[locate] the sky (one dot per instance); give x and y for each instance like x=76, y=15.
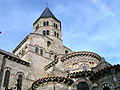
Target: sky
x=87, y=25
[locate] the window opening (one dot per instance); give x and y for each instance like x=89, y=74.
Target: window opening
x=84, y=68
x=106, y=88
x=56, y=26
x=48, y=32
x=37, y=26
x=66, y=52
x=55, y=57
x=48, y=43
x=19, y=82
x=47, y=23
x=83, y=86
x=6, y=79
x=44, y=24
x=55, y=33
x=41, y=52
x=44, y=32
x=36, y=50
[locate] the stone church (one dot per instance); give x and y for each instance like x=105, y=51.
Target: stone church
x=42, y=62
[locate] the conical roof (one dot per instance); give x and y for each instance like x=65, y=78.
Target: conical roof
x=47, y=13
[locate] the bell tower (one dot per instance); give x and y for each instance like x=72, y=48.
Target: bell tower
x=48, y=25
x=44, y=45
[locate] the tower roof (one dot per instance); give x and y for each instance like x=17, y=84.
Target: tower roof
x=47, y=13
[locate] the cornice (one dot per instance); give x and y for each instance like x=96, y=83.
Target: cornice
x=21, y=43
x=82, y=53
x=14, y=58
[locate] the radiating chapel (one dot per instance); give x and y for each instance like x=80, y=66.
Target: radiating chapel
x=42, y=62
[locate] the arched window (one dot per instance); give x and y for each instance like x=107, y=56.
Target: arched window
x=47, y=23
x=55, y=57
x=23, y=52
x=37, y=26
x=44, y=32
x=66, y=52
x=83, y=86
x=36, y=50
x=44, y=24
x=51, y=53
x=19, y=82
x=56, y=26
x=41, y=52
x=48, y=43
x=26, y=47
x=48, y=32
x=84, y=68
x=106, y=88
x=6, y=79
x=55, y=34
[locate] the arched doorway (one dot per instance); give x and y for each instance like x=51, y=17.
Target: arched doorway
x=82, y=86
x=106, y=88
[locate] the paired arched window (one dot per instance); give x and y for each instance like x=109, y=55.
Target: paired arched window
x=41, y=52
x=46, y=32
x=36, y=50
x=55, y=25
x=56, y=34
x=45, y=23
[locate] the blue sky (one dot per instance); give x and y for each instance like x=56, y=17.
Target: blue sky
x=87, y=25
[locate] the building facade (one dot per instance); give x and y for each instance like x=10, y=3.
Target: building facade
x=42, y=62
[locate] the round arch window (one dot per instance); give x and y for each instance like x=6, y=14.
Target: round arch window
x=106, y=88
x=48, y=43
x=66, y=52
x=83, y=86
x=85, y=68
